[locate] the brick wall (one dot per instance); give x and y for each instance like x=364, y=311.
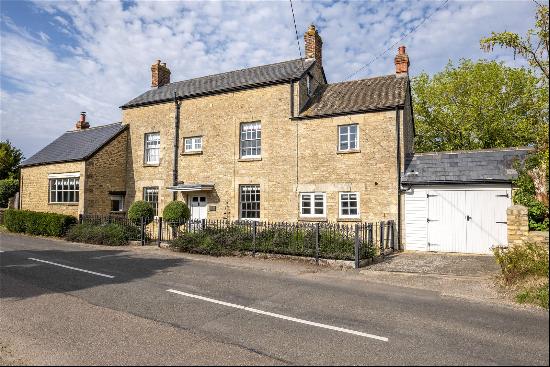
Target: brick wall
x=35, y=190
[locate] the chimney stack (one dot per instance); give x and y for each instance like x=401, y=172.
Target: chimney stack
x=82, y=124
x=402, y=62
x=313, y=44
x=160, y=74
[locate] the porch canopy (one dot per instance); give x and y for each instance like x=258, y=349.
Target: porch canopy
x=191, y=187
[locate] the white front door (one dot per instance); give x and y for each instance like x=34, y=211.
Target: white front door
x=198, y=207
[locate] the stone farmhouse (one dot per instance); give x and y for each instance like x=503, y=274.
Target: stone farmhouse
x=270, y=143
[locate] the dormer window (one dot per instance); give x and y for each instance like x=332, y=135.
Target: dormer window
x=308, y=85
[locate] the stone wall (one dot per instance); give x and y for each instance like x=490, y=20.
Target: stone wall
x=105, y=172
x=518, y=228
x=34, y=188
x=297, y=156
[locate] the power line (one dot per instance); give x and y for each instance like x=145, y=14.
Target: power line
x=297, y=37
x=395, y=43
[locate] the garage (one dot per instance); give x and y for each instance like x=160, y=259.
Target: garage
x=457, y=201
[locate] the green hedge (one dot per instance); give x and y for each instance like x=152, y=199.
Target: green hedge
x=297, y=242
x=110, y=234
x=37, y=223
x=8, y=188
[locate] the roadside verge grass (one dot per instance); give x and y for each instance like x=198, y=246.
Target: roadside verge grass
x=524, y=272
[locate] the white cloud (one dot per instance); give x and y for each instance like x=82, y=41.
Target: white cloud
x=106, y=60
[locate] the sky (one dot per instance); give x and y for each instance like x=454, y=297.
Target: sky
x=59, y=58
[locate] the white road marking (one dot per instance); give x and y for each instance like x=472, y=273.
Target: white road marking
x=288, y=318
x=72, y=268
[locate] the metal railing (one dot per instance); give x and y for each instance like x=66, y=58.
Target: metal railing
x=356, y=242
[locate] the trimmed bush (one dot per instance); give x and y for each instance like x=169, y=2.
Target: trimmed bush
x=176, y=211
x=37, y=223
x=110, y=234
x=141, y=209
x=8, y=188
x=214, y=242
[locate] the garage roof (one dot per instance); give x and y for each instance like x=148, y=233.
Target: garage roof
x=474, y=166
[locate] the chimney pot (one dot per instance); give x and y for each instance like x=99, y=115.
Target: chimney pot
x=82, y=123
x=160, y=74
x=402, y=62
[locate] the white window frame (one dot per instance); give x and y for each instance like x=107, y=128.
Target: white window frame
x=64, y=179
x=252, y=132
x=312, y=202
x=348, y=134
x=146, y=195
x=341, y=208
x=149, y=146
x=308, y=85
x=117, y=198
x=192, y=144
x=259, y=202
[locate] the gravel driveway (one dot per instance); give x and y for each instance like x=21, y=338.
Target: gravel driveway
x=439, y=263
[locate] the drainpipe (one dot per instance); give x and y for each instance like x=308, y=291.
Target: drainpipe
x=176, y=141
x=398, y=130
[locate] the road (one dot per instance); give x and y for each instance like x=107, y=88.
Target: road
x=64, y=303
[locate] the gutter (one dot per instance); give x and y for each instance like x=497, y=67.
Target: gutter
x=398, y=138
x=176, y=143
x=356, y=112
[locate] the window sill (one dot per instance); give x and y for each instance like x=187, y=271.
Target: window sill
x=348, y=219
x=64, y=204
x=121, y=212
x=250, y=159
x=312, y=219
x=348, y=151
x=198, y=152
x=151, y=164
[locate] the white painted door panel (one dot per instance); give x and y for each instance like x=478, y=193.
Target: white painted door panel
x=446, y=220
x=416, y=211
x=198, y=207
x=486, y=226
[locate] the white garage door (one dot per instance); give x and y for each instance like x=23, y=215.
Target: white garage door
x=468, y=219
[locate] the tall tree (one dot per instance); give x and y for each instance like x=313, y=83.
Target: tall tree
x=10, y=157
x=482, y=104
x=533, y=47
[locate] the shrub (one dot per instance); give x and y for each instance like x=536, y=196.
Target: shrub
x=176, y=211
x=110, y=234
x=518, y=262
x=141, y=209
x=37, y=223
x=8, y=188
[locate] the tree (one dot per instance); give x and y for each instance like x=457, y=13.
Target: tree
x=533, y=47
x=141, y=210
x=537, y=57
x=475, y=105
x=10, y=157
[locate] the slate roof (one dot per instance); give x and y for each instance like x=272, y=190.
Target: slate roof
x=476, y=166
x=76, y=145
x=244, y=78
x=373, y=94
